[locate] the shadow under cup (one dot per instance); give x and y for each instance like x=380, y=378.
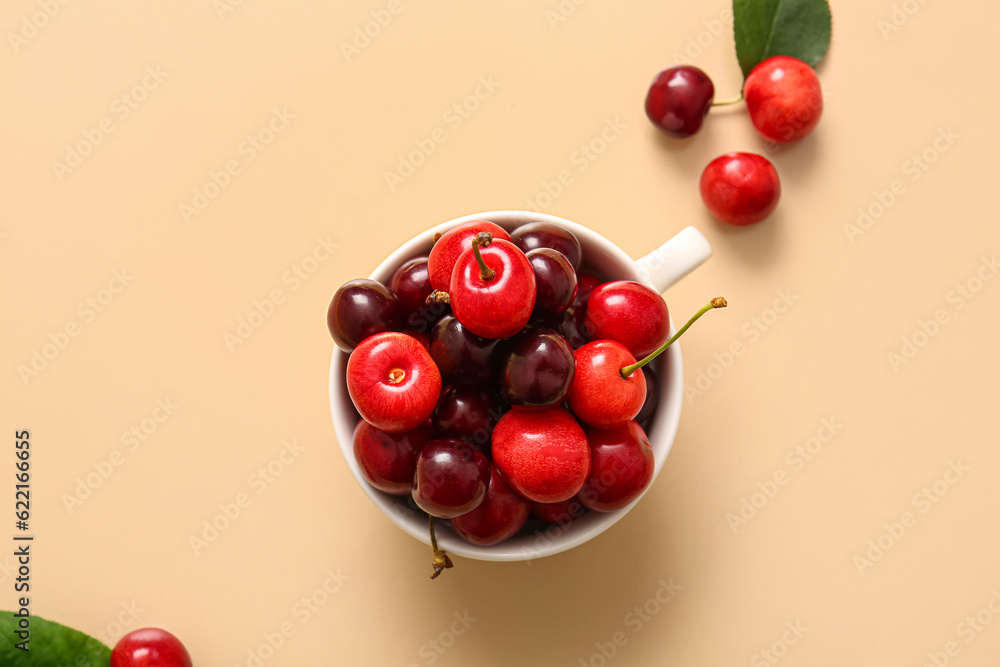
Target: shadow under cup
x=605, y=258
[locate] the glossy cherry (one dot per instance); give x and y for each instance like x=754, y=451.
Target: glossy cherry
x=501, y=514
x=740, y=188
x=630, y=313
x=393, y=381
x=538, y=368
x=555, y=281
x=451, y=478
x=389, y=460
x=536, y=235
x=447, y=249
x=598, y=395
x=150, y=647
x=461, y=354
x=411, y=283
x=359, y=309
x=469, y=412
x=784, y=99
x=621, y=467
x=542, y=453
x=678, y=100
x=493, y=288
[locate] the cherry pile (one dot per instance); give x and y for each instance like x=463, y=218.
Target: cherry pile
x=785, y=102
x=496, y=378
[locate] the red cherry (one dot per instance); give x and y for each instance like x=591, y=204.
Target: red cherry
x=598, y=395
x=784, y=98
x=493, y=288
x=501, y=514
x=361, y=308
x=630, y=313
x=393, y=381
x=451, y=478
x=560, y=513
x=455, y=241
x=542, y=453
x=621, y=467
x=389, y=460
x=150, y=647
x=555, y=281
x=679, y=99
x=585, y=284
x=411, y=284
x=740, y=188
x=547, y=235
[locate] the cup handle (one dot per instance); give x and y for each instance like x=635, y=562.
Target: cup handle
x=674, y=259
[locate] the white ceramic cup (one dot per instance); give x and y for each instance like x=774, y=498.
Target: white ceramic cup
x=660, y=269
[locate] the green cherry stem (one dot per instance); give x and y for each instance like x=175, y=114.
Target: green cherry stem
x=728, y=102
x=483, y=239
x=441, y=561
x=717, y=302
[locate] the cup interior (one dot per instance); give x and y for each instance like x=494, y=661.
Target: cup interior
x=600, y=255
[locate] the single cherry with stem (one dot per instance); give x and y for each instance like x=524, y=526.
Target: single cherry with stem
x=492, y=288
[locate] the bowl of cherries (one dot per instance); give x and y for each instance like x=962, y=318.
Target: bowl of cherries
x=505, y=385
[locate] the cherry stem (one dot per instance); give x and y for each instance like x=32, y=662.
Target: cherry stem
x=483, y=239
x=441, y=561
x=717, y=302
x=728, y=102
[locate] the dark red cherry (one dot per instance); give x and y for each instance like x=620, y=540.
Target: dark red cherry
x=389, y=460
x=469, y=412
x=538, y=368
x=536, y=235
x=459, y=353
x=621, y=467
x=359, y=309
x=678, y=100
x=501, y=514
x=451, y=478
x=555, y=281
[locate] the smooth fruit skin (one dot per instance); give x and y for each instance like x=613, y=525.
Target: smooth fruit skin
x=389, y=460
x=501, y=514
x=621, y=467
x=469, y=412
x=599, y=396
x=536, y=235
x=393, y=381
x=538, y=368
x=451, y=478
x=740, y=188
x=678, y=100
x=542, y=453
x=359, y=309
x=784, y=99
x=447, y=249
x=501, y=306
x=461, y=354
x=555, y=281
x=630, y=313
x=150, y=647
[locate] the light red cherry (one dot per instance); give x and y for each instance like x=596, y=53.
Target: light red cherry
x=628, y=312
x=621, y=467
x=444, y=255
x=501, y=514
x=598, y=395
x=740, y=188
x=150, y=647
x=784, y=98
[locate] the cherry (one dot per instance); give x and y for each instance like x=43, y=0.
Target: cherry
x=359, y=309
x=150, y=647
x=536, y=235
x=411, y=283
x=740, y=188
x=621, y=467
x=559, y=513
x=468, y=412
x=389, y=460
x=459, y=353
x=652, y=395
x=538, y=368
x=555, y=281
x=501, y=514
x=630, y=313
x=606, y=391
x=586, y=283
x=678, y=100
x=451, y=478
x=784, y=99
x=393, y=381
x=492, y=288
x=444, y=255
x=542, y=453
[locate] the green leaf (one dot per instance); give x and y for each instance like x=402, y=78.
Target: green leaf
x=50, y=644
x=765, y=28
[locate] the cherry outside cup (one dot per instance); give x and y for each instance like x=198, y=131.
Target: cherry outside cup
x=660, y=269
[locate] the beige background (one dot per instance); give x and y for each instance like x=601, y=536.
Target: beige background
x=854, y=299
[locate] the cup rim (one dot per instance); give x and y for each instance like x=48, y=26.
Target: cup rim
x=581, y=530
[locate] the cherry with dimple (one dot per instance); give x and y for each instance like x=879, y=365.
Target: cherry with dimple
x=447, y=249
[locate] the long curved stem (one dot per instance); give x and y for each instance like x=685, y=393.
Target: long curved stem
x=717, y=302
x=728, y=102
